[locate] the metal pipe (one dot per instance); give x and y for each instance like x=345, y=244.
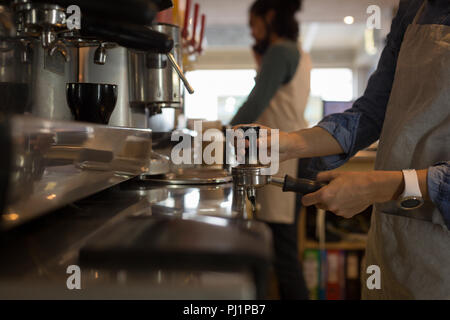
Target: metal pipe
x=60, y=47
x=180, y=72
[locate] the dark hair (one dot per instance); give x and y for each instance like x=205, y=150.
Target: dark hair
x=285, y=24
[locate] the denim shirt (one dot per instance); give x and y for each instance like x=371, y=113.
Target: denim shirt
x=360, y=126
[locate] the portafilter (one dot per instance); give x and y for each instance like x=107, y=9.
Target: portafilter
x=252, y=175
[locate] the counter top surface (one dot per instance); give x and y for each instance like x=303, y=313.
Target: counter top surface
x=38, y=253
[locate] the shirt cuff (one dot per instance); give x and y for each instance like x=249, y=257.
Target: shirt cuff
x=438, y=181
x=343, y=127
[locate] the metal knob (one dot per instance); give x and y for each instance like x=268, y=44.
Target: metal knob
x=100, y=55
x=47, y=38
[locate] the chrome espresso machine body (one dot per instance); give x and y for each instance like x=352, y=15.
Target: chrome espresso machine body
x=70, y=191
x=34, y=65
x=155, y=89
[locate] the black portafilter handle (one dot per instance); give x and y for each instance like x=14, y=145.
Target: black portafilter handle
x=301, y=185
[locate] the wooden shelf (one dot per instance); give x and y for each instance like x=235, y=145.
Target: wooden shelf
x=343, y=245
x=304, y=243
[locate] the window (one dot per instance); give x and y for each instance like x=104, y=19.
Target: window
x=332, y=84
x=328, y=84
x=218, y=93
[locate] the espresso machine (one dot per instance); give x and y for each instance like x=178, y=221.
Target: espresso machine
x=44, y=81
x=149, y=79
x=71, y=192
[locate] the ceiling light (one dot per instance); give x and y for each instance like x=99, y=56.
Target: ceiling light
x=349, y=20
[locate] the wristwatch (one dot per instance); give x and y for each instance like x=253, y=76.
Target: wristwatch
x=411, y=197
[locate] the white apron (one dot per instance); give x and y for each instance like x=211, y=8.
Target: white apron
x=412, y=248
x=285, y=112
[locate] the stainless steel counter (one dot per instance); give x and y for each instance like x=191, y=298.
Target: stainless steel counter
x=37, y=254
x=57, y=162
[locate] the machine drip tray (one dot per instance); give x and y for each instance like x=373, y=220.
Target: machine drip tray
x=194, y=243
x=191, y=176
x=208, y=243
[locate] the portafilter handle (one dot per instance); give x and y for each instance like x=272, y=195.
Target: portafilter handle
x=297, y=185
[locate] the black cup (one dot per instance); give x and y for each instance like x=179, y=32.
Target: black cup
x=92, y=102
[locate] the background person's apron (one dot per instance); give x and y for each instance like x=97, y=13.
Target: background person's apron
x=285, y=112
x=412, y=248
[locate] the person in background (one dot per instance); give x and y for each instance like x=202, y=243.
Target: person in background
x=279, y=99
x=407, y=106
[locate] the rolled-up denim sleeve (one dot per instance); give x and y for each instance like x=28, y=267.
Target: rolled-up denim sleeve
x=343, y=127
x=360, y=126
x=438, y=181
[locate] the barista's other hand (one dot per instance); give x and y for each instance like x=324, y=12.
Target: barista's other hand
x=349, y=193
x=286, y=141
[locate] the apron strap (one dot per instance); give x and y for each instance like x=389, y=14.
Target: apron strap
x=419, y=13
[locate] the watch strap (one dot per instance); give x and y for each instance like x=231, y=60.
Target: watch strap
x=411, y=180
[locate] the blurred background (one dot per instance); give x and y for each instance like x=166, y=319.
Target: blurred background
x=343, y=50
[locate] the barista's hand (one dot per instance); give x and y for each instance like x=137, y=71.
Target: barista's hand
x=305, y=143
x=286, y=141
x=349, y=193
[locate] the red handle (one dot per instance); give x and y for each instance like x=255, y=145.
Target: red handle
x=202, y=34
x=194, y=32
x=187, y=13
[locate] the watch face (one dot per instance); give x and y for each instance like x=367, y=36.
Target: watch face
x=411, y=203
